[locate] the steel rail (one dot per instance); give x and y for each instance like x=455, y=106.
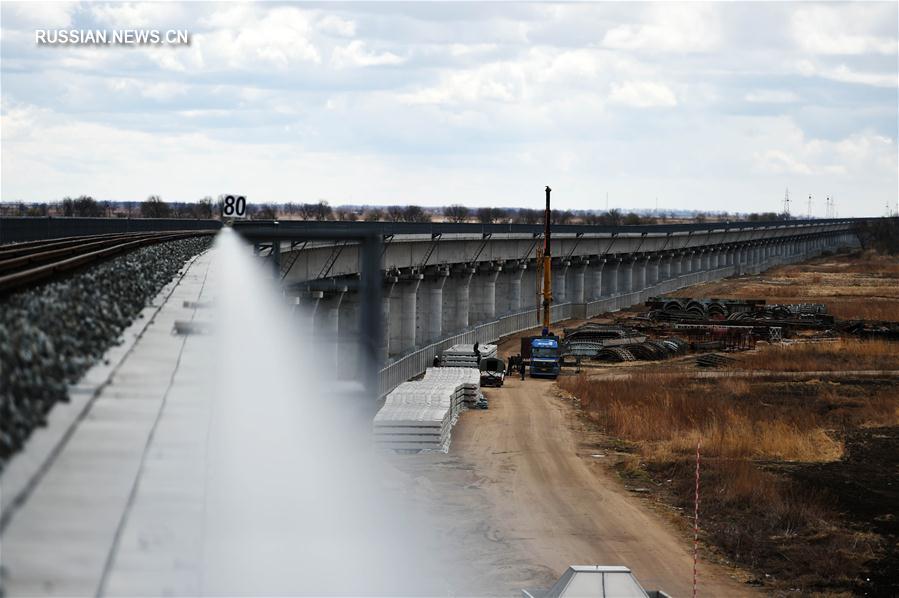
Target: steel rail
x=18, y=280
x=16, y=249
x=36, y=256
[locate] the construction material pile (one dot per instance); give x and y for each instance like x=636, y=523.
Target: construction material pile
x=713, y=360
x=468, y=378
x=681, y=309
x=463, y=356
x=419, y=415
x=590, y=339
x=645, y=351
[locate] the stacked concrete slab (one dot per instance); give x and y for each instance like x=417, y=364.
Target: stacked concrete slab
x=419, y=415
x=463, y=355
x=468, y=378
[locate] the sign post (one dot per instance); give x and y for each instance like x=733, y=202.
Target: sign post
x=233, y=206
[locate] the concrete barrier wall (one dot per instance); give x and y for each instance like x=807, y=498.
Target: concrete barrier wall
x=17, y=230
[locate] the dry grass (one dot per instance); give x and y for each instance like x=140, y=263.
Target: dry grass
x=756, y=517
x=766, y=522
x=844, y=354
x=667, y=415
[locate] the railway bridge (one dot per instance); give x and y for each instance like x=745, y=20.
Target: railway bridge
x=445, y=283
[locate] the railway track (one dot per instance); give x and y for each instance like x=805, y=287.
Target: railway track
x=24, y=264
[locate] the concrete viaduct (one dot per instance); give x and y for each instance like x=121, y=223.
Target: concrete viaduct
x=443, y=283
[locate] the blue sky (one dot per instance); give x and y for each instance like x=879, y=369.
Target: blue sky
x=704, y=106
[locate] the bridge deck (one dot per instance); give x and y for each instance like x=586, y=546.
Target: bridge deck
x=102, y=517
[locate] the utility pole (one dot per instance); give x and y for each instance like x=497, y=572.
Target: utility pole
x=810, y=206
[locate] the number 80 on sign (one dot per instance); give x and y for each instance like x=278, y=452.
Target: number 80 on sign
x=233, y=206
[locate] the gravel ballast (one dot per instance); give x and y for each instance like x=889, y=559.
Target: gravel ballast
x=52, y=334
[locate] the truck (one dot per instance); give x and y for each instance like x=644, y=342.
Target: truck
x=493, y=371
x=545, y=357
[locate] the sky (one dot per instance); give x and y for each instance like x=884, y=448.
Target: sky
x=719, y=106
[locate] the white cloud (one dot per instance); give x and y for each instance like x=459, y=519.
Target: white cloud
x=642, y=94
x=155, y=90
x=233, y=15
x=138, y=14
x=489, y=83
x=486, y=101
x=844, y=74
x=279, y=38
x=356, y=54
x=334, y=25
x=776, y=161
x=41, y=15
x=845, y=29
x=669, y=27
x=772, y=96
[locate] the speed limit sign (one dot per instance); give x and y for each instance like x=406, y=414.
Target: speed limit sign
x=233, y=206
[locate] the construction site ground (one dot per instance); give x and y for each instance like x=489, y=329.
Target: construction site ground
x=535, y=483
x=528, y=494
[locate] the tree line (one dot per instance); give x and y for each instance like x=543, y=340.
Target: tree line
x=206, y=208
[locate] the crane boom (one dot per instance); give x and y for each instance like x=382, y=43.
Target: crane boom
x=547, y=266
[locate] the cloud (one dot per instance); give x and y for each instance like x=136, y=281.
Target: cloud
x=844, y=74
x=337, y=26
x=41, y=15
x=160, y=91
x=772, y=96
x=279, y=38
x=485, y=100
x=139, y=14
x=642, y=94
x=780, y=162
x=356, y=54
x=669, y=27
x=845, y=29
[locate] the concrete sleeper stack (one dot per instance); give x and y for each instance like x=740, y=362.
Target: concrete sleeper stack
x=468, y=378
x=463, y=355
x=419, y=416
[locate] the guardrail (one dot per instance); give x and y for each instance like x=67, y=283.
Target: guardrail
x=418, y=361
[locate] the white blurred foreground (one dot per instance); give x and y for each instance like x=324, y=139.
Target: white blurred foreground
x=296, y=500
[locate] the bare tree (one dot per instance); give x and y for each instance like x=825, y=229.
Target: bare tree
x=415, y=214
x=316, y=211
x=266, y=211
x=203, y=208
x=374, y=214
x=395, y=213
x=346, y=214
x=528, y=216
x=456, y=213
x=500, y=215
x=154, y=207
x=561, y=217
x=485, y=215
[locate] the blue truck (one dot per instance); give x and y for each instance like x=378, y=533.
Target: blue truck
x=545, y=357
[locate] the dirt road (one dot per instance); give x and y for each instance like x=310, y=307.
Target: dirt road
x=548, y=500
x=521, y=497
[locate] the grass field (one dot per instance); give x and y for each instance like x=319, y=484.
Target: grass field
x=839, y=355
